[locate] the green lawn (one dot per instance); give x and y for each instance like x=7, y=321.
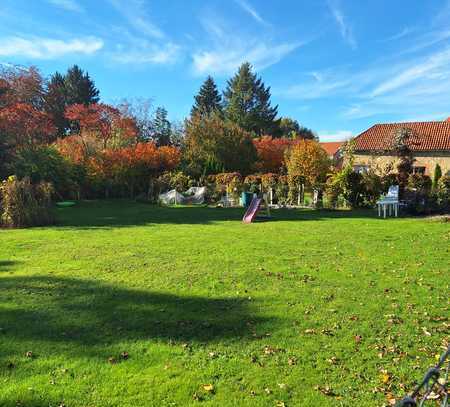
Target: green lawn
x=314, y=308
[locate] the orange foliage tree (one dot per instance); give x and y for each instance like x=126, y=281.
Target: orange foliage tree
x=105, y=142
x=24, y=125
x=271, y=153
x=307, y=165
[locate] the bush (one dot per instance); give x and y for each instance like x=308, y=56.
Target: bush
x=417, y=195
x=443, y=193
x=46, y=164
x=24, y=204
x=347, y=184
x=372, y=187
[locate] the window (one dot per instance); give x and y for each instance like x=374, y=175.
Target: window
x=361, y=169
x=419, y=170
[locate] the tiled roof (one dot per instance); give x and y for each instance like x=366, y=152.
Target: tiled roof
x=331, y=147
x=427, y=136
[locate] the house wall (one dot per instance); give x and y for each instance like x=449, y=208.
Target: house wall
x=427, y=160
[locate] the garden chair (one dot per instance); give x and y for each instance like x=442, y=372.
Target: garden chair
x=389, y=202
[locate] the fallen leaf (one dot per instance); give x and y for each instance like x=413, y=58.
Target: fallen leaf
x=208, y=387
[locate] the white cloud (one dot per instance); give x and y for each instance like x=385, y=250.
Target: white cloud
x=433, y=67
x=48, y=48
x=339, y=135
x=403, y=33
x=226, y=60
x=251, y=11
x=344, y=27
x=230, y=49
x=134, y=12
x=146, y=53
x=69, y=5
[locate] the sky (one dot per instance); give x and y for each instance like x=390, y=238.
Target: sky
x=336, y=66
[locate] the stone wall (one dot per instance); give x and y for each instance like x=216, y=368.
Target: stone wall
x=427, y=160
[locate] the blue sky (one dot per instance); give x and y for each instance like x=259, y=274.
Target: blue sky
x=336, y=66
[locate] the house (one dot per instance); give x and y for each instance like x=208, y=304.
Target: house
x=333, y=150
x=429, y=144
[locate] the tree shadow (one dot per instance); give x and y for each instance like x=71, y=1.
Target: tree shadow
x=93, y=315
x=118, y=213
x=6, y=265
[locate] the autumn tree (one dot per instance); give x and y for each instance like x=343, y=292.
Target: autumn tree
x=22, y=85
x=247, y=103
x=214, y=145
x=307, y=166
x=23, y=125
x=271, y=153
x=103, y=122
x=208, y=99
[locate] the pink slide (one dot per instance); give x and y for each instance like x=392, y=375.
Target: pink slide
x=252, y=210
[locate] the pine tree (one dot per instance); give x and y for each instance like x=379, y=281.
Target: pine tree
x=247, y=102
x=162, y=128
x=55, y=102
x=80, y=88
x=208, y=99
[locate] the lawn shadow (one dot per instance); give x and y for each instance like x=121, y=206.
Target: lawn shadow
x=93, y=315
x=122, y=213
x=5, y=265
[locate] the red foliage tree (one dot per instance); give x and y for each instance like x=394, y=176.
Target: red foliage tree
x=25, y=125
x=103, y=122
x=271, y=153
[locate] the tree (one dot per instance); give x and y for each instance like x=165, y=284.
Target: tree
x=290, y=128
x=307, y=165
x=400, y=146
x=104, y=123
x=162, y=129
x=56, y=102
x=140, y=110
x=23, y=85
x=247, y=103
x=22, y=124
x=208, y=99
x=215, y=145
x=79, y=87
x=271, y=153
x=437, y=175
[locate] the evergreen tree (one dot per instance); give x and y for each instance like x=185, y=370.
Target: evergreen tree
x=437, y=175
x=55, y=102
x=79, y=87
x=208, y=99
x=75, y=86
x=247, y=103
x=290, y=128
x=162, y=128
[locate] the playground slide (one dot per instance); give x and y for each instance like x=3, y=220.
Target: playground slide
x=250, y=214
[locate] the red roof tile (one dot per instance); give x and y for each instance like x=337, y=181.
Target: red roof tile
x=331, y=147
x=427, y=136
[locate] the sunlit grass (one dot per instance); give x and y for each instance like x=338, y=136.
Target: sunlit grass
x=125, y=304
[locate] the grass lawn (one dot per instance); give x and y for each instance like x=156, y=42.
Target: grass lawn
x=314, y=308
